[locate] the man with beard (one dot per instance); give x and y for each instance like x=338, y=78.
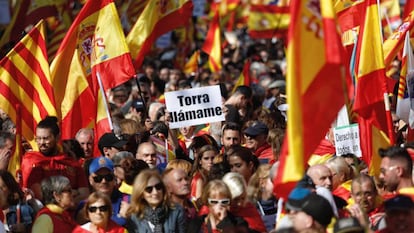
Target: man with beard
x=51, y=161
x=367, y=201
x=396, y=171
x=177, y=183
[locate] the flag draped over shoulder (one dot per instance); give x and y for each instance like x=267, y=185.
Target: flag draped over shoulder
x=315, y=72
x=268, y=21
x=158, y=18
x=212, y=44
x=395, y=42
x=405, y=109
x=94, y=44
x=25, y=81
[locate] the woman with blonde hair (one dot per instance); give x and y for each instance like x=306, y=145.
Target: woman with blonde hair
x=201, y=168
x=98, y=209
x=150, y=210
x=260, y=192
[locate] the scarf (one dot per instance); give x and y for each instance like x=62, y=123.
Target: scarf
x=156, y=217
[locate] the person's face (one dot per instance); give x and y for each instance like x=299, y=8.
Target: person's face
x=4, y=189
x=187, y=131
x=179, y=183
x=206, y=161
x=388, y=174
x=229, y=138
x=400, y=221
x=110, y=151
x=148, y=154
x=396, y=122
x=46, y=141
x=86, y=142
x=218, y=205
x=119, y=173
x=65, y=199
x=254, y=142
x=241, y=167
x=154, y=193
x=364, y=195
x=103, y=181
x=322, y=177
x=98, y=213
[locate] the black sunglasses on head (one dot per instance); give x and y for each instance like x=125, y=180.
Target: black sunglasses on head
x=107, y=177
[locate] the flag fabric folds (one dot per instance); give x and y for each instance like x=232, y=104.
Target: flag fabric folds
x=192, y=64
x=158, y=18
x=245, y=78
x=95, y=43
x=268, y=21
x=314, y=74
x=405, y=100
x=25, y=81
x=212, y=44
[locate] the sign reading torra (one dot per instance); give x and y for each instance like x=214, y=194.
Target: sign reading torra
x=194, y=106
x=347, y=140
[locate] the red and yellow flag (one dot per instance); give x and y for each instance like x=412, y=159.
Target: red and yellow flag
x=268, y=21
x=390, y=16
x=192, y=64
x=95, y=44
x=314, y=74
x=158, y=18
x=395, y=42
x=245, y=79
x=212, y=44
x=25, y=81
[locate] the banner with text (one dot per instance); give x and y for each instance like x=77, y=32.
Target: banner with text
x=194, y=106
x=347, y=140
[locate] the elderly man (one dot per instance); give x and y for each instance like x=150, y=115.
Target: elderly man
x=85, y=138
x=320, y=175
x=102, y=179
x=177, y=183
x=147, y=152
x=256, y=140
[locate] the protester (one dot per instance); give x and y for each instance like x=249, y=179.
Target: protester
x=341, y=177
x=150, y=209
x=6, y=148
x=399, y=214
x=85, y=137
x=109, y=144
x=348, y=225
x=231, y=135
x=147, y=152
x=57, y=197
x=242, y=160
x=201, y=168
x=49, y=161
x=256, y=140
x=98, y=209
x=130, y=169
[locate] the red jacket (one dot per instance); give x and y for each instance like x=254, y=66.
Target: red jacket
x=265, y=152
x=111, y=228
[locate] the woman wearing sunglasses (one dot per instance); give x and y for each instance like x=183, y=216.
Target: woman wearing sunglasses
x=57, y=197
x=98, y=210
x=217, y=197
x=150, y=210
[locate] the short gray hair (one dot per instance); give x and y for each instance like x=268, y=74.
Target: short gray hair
x=51, y=185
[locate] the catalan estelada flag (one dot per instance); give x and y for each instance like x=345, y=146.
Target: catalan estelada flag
x=310, y=81
x=158, y=18
x=268, y=21
x=212, y=44
x=25, y=82
x=95, y=44
x=395, y=42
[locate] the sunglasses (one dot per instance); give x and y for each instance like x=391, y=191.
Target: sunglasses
x=107, y=177
x=158, y=187
x=223, y=202
x=103, y=208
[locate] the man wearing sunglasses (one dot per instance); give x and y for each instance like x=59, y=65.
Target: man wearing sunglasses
x=109, y=144
x=256, y=140
x=102, y=179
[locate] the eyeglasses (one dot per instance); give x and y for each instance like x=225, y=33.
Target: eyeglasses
x=223, y=202
x=107, y=177
x=158, y=187
x=103, y=208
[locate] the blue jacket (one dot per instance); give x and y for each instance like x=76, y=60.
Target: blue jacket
x=174, y=223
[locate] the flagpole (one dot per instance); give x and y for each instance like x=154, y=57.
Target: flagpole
x=108, y=114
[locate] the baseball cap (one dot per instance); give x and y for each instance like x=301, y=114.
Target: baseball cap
x=138, y=104
x=296, y=198
x=99, y=163
x=110, y=140
x=348, y=225
x=399, y=202
x=318, y=208
x=277, y=84
x=257, y=128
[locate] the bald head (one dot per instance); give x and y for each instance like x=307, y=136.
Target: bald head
x=147, y=152
x=321, y=176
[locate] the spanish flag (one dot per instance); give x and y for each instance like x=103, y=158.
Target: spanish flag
x=158, y=18
x=212, y=44
x=245, y=79
x=314, y=74
x=25, y=82
x=95, y=44
x=268, y=21
x=192, y=64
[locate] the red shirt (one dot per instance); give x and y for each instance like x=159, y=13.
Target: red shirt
x=111, y=228
x=35, y=167
x=265, y=152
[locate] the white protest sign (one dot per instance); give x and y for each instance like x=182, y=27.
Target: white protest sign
x=194, y=106
x=347, y=140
